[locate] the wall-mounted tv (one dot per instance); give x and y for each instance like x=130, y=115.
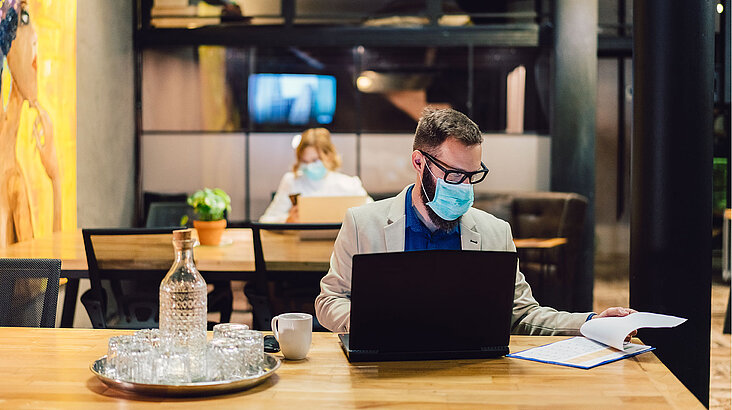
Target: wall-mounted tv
x=294, y=99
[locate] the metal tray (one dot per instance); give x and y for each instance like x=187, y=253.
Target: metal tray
x=271, y=364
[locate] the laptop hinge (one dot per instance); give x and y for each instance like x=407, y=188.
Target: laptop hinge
x=492, y=349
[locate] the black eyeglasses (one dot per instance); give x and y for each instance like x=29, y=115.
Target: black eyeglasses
x=458, y=177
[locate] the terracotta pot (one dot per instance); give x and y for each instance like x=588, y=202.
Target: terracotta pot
x=209, y=232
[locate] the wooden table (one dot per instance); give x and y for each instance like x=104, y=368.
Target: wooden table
x=233, y=260
x=539, y=243
x=236, y=254
x=49, y=368
x=542, y=248
x=282, y=251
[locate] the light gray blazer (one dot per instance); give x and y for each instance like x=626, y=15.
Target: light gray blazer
x=379, y=227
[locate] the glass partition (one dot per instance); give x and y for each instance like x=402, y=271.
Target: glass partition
x=239, y=107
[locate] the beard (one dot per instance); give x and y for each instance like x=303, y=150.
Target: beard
x=430, y=185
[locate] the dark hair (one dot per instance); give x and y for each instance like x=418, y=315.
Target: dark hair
x=435, y=126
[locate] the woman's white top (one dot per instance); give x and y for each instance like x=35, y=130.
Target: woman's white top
x=333, y=184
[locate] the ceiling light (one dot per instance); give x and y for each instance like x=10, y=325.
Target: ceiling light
x=364, y=83
x=370, y=81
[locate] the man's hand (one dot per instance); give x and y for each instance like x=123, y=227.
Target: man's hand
x=618, y=312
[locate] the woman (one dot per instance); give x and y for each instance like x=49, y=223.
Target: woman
x=313, y=174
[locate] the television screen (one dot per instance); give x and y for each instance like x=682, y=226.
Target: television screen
x=294, y=99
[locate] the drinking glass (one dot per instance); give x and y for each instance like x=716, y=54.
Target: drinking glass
x=134, y=362
x=115, y=344
x=253, y=344
x=224, y=329
x=172, y=365
x=151, y=336
x=225, y=359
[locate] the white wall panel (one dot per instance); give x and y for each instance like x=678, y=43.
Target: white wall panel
x=188, y=162
x=386, y=162
x=517, y=162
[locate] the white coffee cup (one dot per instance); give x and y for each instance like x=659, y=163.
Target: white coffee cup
x=294, y=332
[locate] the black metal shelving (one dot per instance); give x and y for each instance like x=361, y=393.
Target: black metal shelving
x=510, y=35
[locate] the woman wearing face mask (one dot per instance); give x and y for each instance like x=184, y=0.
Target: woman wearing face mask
x=313, y=174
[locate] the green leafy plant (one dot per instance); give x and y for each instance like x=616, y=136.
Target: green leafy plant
x=210, y=204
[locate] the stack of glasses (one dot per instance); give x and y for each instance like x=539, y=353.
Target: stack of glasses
x=234, y=353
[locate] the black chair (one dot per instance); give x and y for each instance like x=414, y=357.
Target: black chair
x=124, y=295
x=124, y=290
x=148, y=198
x=163, y=214
x=29, y=292
x=273, y=292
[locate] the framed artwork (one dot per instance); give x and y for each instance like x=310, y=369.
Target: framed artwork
x=37, y=118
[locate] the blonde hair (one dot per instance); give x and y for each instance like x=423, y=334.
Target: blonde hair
x=319, y=138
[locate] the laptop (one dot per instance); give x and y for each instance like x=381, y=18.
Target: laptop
x=425, y=305
x=325, y=209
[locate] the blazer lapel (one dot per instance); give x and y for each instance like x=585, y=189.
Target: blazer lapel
x=395, y=224
x=469, y=237
x=394, y=230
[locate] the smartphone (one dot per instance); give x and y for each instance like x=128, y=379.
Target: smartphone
x=271, y=345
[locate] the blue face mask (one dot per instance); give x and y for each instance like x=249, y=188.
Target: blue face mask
x=451, y=201
x=314, y=171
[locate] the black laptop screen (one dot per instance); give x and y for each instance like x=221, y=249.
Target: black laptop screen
x=431, y=300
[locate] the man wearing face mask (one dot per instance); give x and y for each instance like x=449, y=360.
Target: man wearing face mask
x=435, y=213
x=313, y=174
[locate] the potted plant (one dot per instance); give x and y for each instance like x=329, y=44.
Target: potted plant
x=209, y=206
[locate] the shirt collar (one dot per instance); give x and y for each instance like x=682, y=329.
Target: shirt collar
x=413, y=220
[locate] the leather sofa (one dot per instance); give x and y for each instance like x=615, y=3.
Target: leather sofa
x=551, y=273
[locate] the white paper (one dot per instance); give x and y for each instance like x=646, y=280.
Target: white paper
x=613, y=330
x=579, y=352
x=603, y=341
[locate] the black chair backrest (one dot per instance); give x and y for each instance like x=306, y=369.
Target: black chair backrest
x=164, y=214
x=257, y=228
x=129, y=264
x=258, y=293
x=29, y=292
x=150, y=197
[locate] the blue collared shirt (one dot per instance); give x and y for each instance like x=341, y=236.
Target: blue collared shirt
x=418, y=237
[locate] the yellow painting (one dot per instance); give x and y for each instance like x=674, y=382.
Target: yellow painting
x=37, y=118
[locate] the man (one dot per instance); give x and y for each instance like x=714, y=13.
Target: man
x=435, y=213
